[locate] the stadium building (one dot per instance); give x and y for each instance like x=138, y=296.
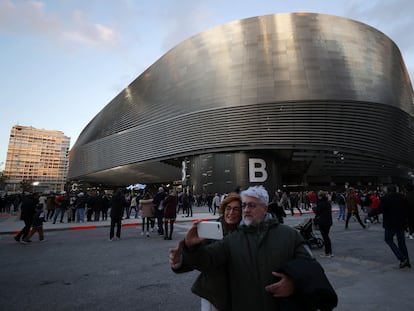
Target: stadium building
x=298, y=99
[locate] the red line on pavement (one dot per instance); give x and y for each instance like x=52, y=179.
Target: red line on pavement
x=131, y=224
x=83, y=227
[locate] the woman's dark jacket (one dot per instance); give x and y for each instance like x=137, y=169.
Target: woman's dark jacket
x=117, y=206
x=323, y=212
x=213, y=285
x=394, y=208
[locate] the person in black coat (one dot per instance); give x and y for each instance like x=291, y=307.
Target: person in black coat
x=277, y=210
x=323, y=218
x=394, y=208
x=118, y=204
x=28, y=210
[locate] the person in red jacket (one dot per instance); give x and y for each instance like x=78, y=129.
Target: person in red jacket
x=375, y=201
x=170, y=213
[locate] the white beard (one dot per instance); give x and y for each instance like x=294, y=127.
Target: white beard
x=247, y=222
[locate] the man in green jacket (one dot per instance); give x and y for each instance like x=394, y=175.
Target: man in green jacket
x=269, y=265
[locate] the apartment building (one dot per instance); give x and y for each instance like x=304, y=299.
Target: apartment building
x=37, y=156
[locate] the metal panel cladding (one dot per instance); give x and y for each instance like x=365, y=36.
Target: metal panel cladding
x=298, y=81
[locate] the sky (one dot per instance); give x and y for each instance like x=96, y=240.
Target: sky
x=63, y=61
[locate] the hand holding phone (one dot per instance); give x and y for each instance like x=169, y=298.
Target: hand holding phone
x=210, y=230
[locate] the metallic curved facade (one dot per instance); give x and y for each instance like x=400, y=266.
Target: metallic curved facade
x=325, y=97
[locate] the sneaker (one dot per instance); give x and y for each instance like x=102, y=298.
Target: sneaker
x=26, y=242
x=111, y=239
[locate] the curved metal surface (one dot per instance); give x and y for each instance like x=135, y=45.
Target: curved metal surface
x=296, y=81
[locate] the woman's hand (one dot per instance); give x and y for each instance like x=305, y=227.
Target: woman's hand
x=283, y=288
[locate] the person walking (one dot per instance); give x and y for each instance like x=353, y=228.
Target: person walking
x=37, y=225
x=352, y=206
x=170, y=214
x=394, y=210
x=118, y=203
x=323, y=218
x=28, y=210
x=294, y=203
x=340, y=200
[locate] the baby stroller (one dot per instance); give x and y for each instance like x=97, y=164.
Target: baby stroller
x=306, y=230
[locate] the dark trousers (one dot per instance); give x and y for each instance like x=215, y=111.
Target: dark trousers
x=190, y=210
x=118, y=222
x=39, y=230
x=145, y=221
x=399, y=251
x=297, y=207
x=168, y=234
x=160, y=216
x=50, y=213
x=324, y=229
x=348, y=217
x=25, y=231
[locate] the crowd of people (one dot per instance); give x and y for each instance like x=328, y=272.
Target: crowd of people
x=164, y=206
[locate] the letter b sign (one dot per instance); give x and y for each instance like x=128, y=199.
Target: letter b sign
x=257, y=170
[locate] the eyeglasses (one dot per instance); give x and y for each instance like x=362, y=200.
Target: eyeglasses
x=232, y=209
x=251, y=205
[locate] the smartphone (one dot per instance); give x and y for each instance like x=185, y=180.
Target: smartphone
x=210, y=230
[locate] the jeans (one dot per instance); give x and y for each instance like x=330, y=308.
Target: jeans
x=59, y=211
x=128, y=212
x=341, y=212
x=80, y=214
x=399, y=251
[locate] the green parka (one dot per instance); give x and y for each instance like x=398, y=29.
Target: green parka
x=250, y=255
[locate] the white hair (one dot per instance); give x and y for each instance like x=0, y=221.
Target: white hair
x=258, y=192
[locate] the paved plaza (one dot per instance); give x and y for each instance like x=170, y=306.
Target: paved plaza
x=78, y=268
